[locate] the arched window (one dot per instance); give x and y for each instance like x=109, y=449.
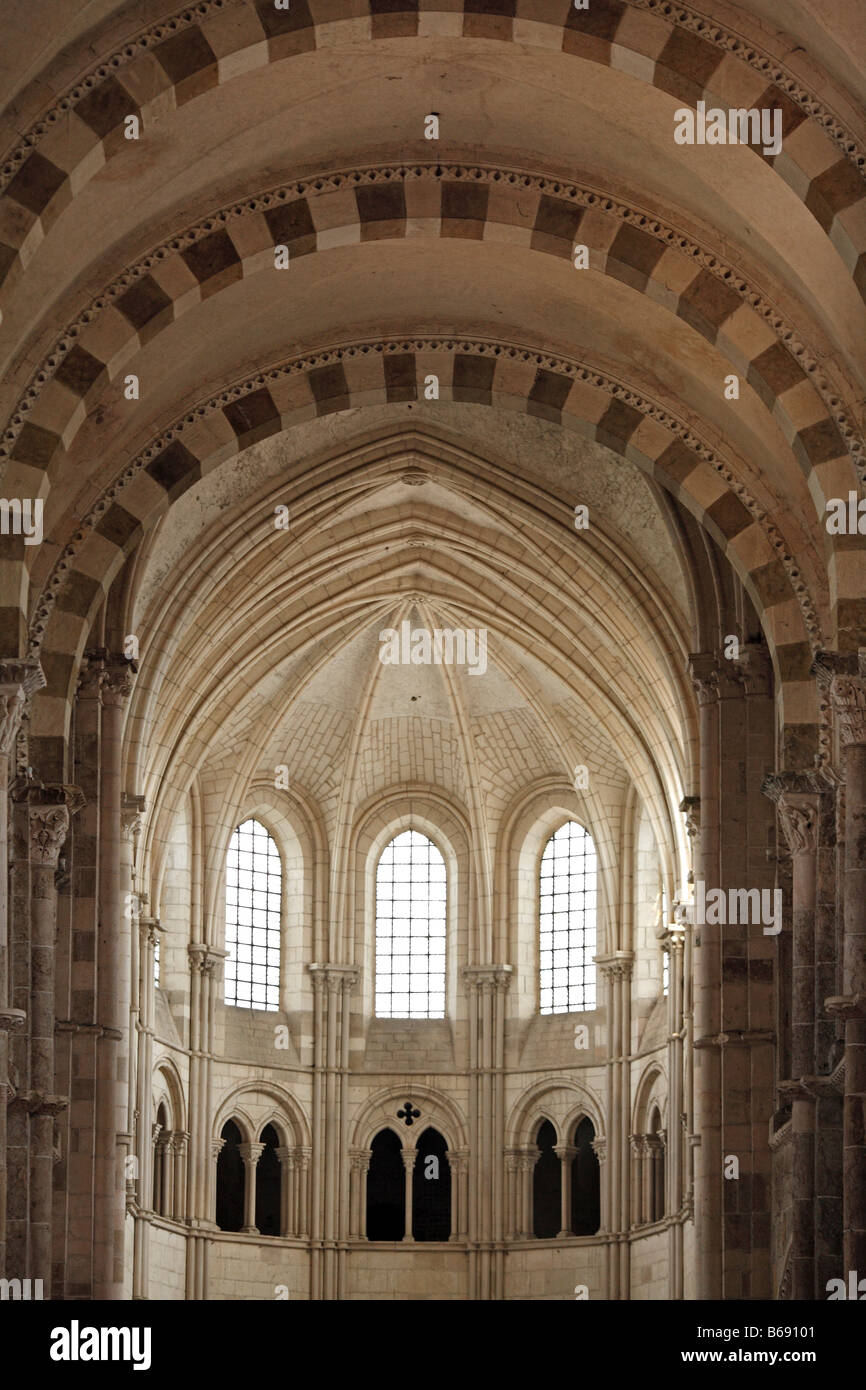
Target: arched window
x=546, y=1185
x=585, y=1182
x=431, y=1189
x=268, y=1184
x=411, y=890
x=253, y=905
x=386, y=1188
x=230, y=1185
x=567, y=939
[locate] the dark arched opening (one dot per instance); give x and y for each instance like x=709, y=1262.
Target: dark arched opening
x=431, y=1189
x=386, y=1189
x=230, y=1180
x=585, y=1182
x=268, y=1183
x=546, y=1185
x=160, y=1161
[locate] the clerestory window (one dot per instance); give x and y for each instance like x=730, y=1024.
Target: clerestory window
x=567, y=925
x=253, y=909
x=411, y=901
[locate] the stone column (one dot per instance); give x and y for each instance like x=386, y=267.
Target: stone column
x=131, y=822
x=486, y=989
x=359, y=1163
x=158, y=1143
x=565, y=1153
x=302, y=1173
x=845, y=680
x=636, y=1149
x=112, y=987
x=616, y=971
x=458, y=1161
x=528, y=1160
x=408, y=1156
x=512, y=1171
x=599, y=1148
x=287, y=1190
x=18, y=680
x=49, y=812
x=179, y=1142
x=798, y=817
x=705, y=675
x=148, y=935
x=250, y=1153
x=205, y=977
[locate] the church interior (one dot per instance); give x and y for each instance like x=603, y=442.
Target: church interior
x=432, y=649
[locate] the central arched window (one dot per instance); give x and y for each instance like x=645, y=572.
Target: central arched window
x=567, y=940
x=253, y=906
x=411, y=890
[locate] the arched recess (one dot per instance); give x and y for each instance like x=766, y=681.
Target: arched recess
x=445, y=824
x=259, y=1106
x=170, y=1141
x=666, y=55
x=560, y=1099
x=649, y=1147
x=253, y=1104
x=754, y=574
x=437, y=1110
x=635, y=252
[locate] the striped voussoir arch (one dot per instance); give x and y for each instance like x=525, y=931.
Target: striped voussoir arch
x=481, y=371
x=670, y=46
x=478, y=202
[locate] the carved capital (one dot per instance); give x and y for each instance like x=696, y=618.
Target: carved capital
x=487, y=979
x=336, y=979
x=49, y=809
x=798, y=817
x=251, y=1153
x=691, y=809
x=842, y=676
x=848, y=698
x=847, y=1006
x=618, y=966
x=118, y=679
x=754, y=669
x=132, y=815
x=18, y=681
x=149, y=930
x=12, y=1020
x=599, y=1148
x=204, y=959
